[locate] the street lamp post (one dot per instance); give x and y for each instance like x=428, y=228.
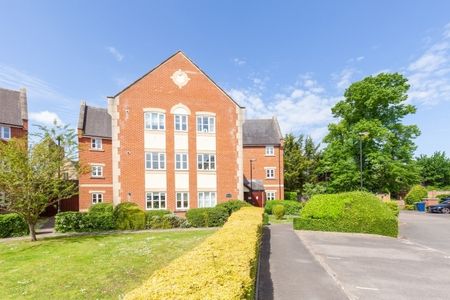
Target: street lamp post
x=251, y=177
x=361, y=136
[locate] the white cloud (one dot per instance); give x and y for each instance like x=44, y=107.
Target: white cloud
x=114, y=52
x=429, y=74
x=304, y=108
x=239, y=61
x=344, y=78
x=45, y=117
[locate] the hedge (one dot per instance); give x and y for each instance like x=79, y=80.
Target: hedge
x=442, y=197
x=348, y=212
x=128, y=216
x=393, y=206
x=416, y=194
x=233, y=205
x=207, y=217
x=222, y=267
x=292, y=207
x=290, y=196
x=166, y=221
x=12, y=225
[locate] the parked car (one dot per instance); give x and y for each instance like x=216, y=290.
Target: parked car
x=443, y=207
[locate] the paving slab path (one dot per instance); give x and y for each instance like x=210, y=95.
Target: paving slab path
x=289, y=271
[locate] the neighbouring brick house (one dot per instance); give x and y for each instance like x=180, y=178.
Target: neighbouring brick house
x=13, y=114
x=263, y=160
x=173, y=139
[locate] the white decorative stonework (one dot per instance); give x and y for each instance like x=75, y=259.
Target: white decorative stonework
x=180, y=78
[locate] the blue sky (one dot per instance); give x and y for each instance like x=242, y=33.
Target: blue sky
x=292, y=59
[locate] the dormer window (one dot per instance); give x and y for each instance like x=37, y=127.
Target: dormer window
x=5, y=133
x=206, y=124
x=96, y=144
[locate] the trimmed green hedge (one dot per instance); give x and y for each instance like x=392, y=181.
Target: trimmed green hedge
x=441, y=197
x=12, y=225
x=416, y=194
x=291, y=207
x=207, y=217
x=393, y=206
x=233, y=205
x=348, y=212
x=128, y=216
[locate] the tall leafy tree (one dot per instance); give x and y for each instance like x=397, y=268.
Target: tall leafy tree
x=301, y=156
x=31, y=178
x=370, y=117
x=434, y=169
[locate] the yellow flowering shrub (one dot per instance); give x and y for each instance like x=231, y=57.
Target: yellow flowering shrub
x=222, y=267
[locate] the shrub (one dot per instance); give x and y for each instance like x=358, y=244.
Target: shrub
x=347, y=212
x=12, y=225
x=207, y=217
x=265, y=219
x=128, y=216
x=156, y=212
x=416, y=194
x=292, y=207
x=442, y=197
x=278, y=210
x=233, y=205
x=101, y=208
x=409, y=207
x=98, y=221
x=393, y=206
x=223, y=266
x=69, y=221
x=165, y=221
x=290, y=196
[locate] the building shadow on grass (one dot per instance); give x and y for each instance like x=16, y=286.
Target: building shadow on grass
x=265, y=284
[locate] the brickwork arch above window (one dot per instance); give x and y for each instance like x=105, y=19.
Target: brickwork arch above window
x=180, y=109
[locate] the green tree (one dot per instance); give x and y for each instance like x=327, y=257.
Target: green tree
x=370, y=116
x=31, y=178
x=434, y=169
x=301, y=157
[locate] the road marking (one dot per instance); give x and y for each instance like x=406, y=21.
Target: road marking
x=367, y=288
x=334, y=257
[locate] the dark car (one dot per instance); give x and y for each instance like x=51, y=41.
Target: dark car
x=443, y=207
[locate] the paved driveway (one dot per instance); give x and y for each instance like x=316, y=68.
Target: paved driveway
x=415, y=266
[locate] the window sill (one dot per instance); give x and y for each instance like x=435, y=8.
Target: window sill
x=269, y=155
x=97, y=177
x=181, y=209
x=206, y=133
x=96, y=150
x=271, y=178
x=206, y=171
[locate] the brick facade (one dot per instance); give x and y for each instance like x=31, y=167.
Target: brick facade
x=263, y=161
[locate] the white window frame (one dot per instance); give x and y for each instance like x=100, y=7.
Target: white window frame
x=207, y=199
x=206, y=165
x=181, y=123
x=150, y=202
x=270, y=151
x=206, y=124
x=96, y=171
x=270, y=173
x=155, y=120
x=96, y=198
x=181, y=161
x=150, y=160
x=183, y=198
x=271, y=195
x=3, y=131
x=96, y=144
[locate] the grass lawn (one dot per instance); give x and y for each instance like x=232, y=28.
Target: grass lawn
x=287, y=219
x=88, y=267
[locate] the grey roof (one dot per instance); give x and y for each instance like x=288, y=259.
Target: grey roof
x=13, y=107
x=257, y=185
x=262, y=132
x=94, y=121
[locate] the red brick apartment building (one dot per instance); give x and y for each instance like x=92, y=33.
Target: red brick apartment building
x=13, y=114
x=173, y=140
